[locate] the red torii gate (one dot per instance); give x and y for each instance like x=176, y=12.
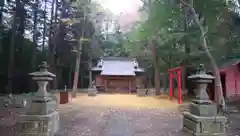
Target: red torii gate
x=171, y=74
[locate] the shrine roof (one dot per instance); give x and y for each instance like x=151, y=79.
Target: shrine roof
x=230, y=63
x=118, y=66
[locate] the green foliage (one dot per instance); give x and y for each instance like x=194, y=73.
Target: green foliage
x=54, y=41
x=173, y=26
x=169, y=22
x=163, y=22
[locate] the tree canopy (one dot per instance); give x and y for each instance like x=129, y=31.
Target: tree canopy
x=167, y=36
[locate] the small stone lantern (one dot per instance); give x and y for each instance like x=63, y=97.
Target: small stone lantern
x=41, y=117
x=93, y=90
x=202, y=118
x=42, y=78
x=141, y=92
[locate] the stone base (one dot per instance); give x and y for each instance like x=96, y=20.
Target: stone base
x=204, y=126
x=141, y=92
x=39, y=125
x=92, y=92
x=192, y=133
x=41, y=105
x=151, y=92
x=5, y=101
x=19, y=102
x=206, y=110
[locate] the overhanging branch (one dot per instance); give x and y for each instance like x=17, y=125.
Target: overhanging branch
x=195, y=16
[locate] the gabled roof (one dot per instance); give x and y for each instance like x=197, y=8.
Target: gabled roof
x=119, y=66
x=230, y=62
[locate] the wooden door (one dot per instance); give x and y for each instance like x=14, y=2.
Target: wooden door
x=118, y=85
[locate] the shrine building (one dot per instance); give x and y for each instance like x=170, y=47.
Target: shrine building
x=117, y=75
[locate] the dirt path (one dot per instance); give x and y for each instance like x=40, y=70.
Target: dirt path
x=122, y=122
x=120, y=115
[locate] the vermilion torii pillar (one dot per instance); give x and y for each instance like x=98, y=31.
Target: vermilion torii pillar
x=172, y=75
x=170, y=85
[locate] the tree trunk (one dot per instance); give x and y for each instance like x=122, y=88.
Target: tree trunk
x=20, y=14
x=34, y=35
x=60, y=77
x=70, y=77
x=1, y=11
x=51, y=26
x=51, y=38
x=187, y=49
x=56, y=11
x=33, y=61
x=1, y=19
x=218, y=84
x=44, y=25
x=11, y=56
x=54, y=44
x=156, y=70
x=90, y=73
x=76, y=72
x=149, y=82
x=78, y=58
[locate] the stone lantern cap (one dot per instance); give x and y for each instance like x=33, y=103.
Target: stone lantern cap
x=43, y=74
x=201, y=74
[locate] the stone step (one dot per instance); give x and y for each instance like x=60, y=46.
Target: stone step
x=232, y=109
x=183, y=107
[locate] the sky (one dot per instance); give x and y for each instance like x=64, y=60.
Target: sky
x=120, y=6
x=127, y=10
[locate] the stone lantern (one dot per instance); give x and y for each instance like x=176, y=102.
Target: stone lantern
x=41, y=117
x=93, y=90
x=201, y=79
x=202, y=118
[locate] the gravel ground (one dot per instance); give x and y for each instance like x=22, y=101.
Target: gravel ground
x=233, y=124
x=92, y=121
x=79, y=119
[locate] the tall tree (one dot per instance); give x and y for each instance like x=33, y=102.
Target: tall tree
x=2, y=3
x=44, y=24
x=11, y=55
x=35, y=23
x=204, y=46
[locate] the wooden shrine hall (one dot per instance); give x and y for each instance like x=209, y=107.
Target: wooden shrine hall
x=117, y=75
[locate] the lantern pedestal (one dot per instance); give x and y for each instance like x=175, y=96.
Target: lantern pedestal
x=92, y=92
x=141, y=92
x=204, y=126
x=202, y=118
x=207, y=109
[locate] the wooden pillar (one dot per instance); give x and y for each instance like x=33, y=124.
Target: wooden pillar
x=235, y=80
x=215, y=93
x=82, y=80
x=90, y=79
x=90, y=73
x=130, y=86
x=105, y=85
x=170, y=85
x=179, y=87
